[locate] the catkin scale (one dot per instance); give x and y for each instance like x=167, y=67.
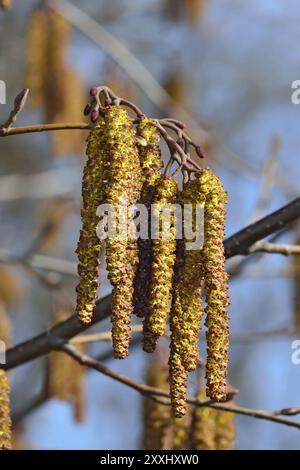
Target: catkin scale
x=5, y=421
x=121, y=250
x=162, y=268
x=94, y=180
x=151, y=163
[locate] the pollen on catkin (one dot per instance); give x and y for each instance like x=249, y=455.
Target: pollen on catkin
x=178, y=381
x=121, y=250
x=151, y=163
x=5, y=420
x=216, y=285
x=95, y=176
x=187, y=309
x=163, y=261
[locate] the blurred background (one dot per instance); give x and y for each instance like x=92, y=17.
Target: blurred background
x=226, y=69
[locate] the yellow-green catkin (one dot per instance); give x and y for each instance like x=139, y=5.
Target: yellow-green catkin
x=178, y=381
x=216, y=285
x=163, y=261
x=157, y=417
x=225, y=430
x=180, y=432
x=203, y=428
x=121, y=250
x=95, y=177
x=151, y=163
x=187, y=309
x=5, y=420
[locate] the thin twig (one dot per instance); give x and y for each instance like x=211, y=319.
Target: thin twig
x=151, y=392
x=4, y=132
x=267, y=247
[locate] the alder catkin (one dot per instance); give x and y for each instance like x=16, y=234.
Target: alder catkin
x=122, y=250
x=225, y=430
x=178, y=381
x=203, y=429
x=5, y=4
x=216, y=285
x=157, y=417
x=151, y=163
x=5, y=420
x=163, y=260
x=187, y=309
x=95, y=177
x=36, y=56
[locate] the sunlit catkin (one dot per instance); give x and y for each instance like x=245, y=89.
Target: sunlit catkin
x=216, y=285
x=187, y=309
x=5, y=421
x=203, y=428
x=178, y=381
x=121, y=249
x=95, y=177
x=151, y=163
x=163, y=260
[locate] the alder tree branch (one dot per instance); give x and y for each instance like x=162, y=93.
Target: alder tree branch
x=153, y=393
x=266, y=247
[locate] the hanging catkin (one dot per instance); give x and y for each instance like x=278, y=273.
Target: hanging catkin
x=151, y=163
x=203, y=429
x=157, y=417
x=163, y=260
x=216, y=285
x=5, y=421
x=121, y=250
x=95, y=177
x=36, y=56
x=187, y=310
x=225, y=430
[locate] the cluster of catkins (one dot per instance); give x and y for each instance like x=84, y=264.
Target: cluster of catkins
x=158, y=279
x=202, y=428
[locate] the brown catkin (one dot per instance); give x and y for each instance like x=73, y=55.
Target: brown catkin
x=5, y=421
x=187, y=309
x=151, y=163
x=194, y=9
x=216, y=285
x=163, y=260
x=95, y=177
x=5, y=325
x=122, y=250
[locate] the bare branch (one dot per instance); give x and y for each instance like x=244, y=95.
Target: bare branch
x=151, y=392
x=266, y=247
x=5, y=131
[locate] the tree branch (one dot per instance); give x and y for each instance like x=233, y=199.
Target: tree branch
x=266, y=247
x=152, y=392
x=6, y=131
